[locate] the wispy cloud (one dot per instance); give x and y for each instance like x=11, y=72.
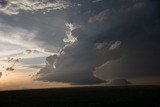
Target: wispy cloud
x=99, y=17
x=17, y=36
x=115, y=45
x=108, y=45
x=20, y=43
x=13, y=7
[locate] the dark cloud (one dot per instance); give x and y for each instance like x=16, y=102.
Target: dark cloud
x=99, y=17
x=130, y=33
x=114, y=39
x=78, y=62
x=0, y=74
x=3, y=3
x=9, y=69
x=28, y=51
x=119, y=82
x=108, y=45
x=13, y=62
x=94, y=1
x=139, y=32
x=130, y=66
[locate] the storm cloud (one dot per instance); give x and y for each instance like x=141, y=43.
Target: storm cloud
x=92, y=41
x=119, y=82
x=120, y=47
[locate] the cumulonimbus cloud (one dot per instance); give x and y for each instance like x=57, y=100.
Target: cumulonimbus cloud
x=96, y=45
x=63, y=68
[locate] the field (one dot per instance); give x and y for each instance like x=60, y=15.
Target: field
x=131, y=96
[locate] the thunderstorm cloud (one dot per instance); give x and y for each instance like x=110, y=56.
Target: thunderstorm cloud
x=83, y=41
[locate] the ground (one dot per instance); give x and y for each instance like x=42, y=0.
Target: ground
x=130, y=96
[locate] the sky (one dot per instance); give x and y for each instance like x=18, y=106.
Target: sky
x=67, y=43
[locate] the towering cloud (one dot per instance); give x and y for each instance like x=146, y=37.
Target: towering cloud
x=68, y=67
x=116, y=49
x=102, y=39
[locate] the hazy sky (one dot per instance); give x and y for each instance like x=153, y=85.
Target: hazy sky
x=64, y=43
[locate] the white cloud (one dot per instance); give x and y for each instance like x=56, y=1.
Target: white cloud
x=15, y=40
x=70, y=38
x=17, y=36
x=15, y=6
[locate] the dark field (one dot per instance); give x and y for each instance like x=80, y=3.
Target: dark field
x=132, y=96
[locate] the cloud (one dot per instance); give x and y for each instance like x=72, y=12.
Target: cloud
x=13, y=7
x=28, y=51
x=68, y=67
x=52, y=60
x=95, y=43
x=0, y=74
x=99, y=17
x=95, y=1
x=115, y=45
x=119, y=82
x=19, y=42
x=13, y=62
x=129, y=65
x=76, y=66
x=14, y=40
x=35, y=66
x=9, y=69
x=137, y=5
x=102, y=45
x=140, y=49
x=108, y=45
x=14, y=36
x=124, y=46
x=70, y=38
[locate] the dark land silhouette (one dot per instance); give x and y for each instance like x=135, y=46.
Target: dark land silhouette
x=126, y=96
